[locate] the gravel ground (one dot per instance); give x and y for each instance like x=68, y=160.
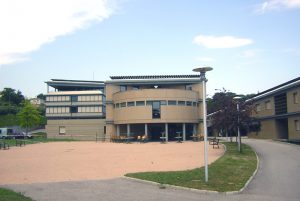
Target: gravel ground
x=76, y=161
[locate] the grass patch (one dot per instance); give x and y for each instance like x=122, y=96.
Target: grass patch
x=228, y=173
x=9, y=195
x=38, y=138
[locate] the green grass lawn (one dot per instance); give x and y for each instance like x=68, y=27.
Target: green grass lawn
x=228, y=173
x=38, y=138
x=8, y=195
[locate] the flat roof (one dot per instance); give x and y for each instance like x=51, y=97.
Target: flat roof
x=91, y=92
x=277, y=89
x=139, y=77
x=64, y=85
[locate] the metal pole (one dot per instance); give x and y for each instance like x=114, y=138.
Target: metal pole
x=205, y=130
x=239, y=136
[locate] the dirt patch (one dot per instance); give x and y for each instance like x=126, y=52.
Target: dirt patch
x=71, y=161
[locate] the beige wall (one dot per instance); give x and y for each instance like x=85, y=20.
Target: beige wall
x=264, y=111
x=293, y=107
x=293, y=133
x=268, y=130
x=81, y=129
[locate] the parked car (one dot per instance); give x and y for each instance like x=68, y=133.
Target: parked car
x=9, y=133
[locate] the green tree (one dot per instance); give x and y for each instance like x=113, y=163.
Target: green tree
x=41, y=96
x=29, y=116
x=11, y=97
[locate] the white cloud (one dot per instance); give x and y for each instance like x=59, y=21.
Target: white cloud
x=205, y=59
x=27, y=25
x=277, y=5
x=221, y=41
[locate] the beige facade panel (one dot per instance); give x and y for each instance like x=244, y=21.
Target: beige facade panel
x=65, y=103
x=155, y=94
x=293, y=100
x=294, y=128
x=81, y=129
x=268, y=131
x=143, y=114
x=264, y=107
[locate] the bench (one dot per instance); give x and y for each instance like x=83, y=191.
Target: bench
x=20, y=143
x=4, y=145
x=214, y=142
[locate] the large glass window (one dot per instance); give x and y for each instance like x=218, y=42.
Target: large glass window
x=156, y=109
x=74, y=109
x=163, y=102
x=74, y=98
x=181, y=103
x=130, y=104
x=188, y=103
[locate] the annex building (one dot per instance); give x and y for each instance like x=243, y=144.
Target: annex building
x=152, y=106
x=278, y=110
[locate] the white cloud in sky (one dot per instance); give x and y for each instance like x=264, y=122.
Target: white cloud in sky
x=277, y=5
x=205, y=59
x=27, y=25
x=221, y=41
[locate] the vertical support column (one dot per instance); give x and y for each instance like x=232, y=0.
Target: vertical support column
x=183, y=132
x=167, y=132
x=118, y=130
x=146, y=129
x=128, y=130
x=194, y=129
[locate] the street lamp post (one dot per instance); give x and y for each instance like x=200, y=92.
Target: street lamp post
x=237, y=98
x=202, y=71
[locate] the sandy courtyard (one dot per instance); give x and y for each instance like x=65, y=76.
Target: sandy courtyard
x=72, y=161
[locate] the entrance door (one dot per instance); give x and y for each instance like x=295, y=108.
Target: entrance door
x=282, y=128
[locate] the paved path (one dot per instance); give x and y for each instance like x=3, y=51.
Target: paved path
x=278, y=178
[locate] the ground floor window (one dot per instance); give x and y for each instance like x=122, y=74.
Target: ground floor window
x=297, y=125
x=62, y=130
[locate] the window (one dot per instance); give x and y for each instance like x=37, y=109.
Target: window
x=172, y=102
x=182, y=103
x=188, y=87
x=295, y=98
x=62, y=130
x=123, y=104
x=268, y=105
x=123, y=88
x=104, y=129
x=156, y=109
x=74, y=109
x=188, y=103
x=140, y=103
x=74, y=98
x=257, y=107
x=149, y=102
x=194, y=104
x=163, y=102
x=117, y=105
x=130, y=104
x=297, y=125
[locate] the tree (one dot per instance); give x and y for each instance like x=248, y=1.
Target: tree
x=225, y=114
x=10, y=96
x=29, y=116
x=41, y=96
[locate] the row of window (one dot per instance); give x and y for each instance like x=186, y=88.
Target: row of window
x=74, y=98
x=267, y=106
x=149, y=103
x=74, y=109
x=125, y=88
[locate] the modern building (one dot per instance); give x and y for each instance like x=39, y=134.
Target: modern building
x=75, y=109
x=155, y=106
x=278, y=110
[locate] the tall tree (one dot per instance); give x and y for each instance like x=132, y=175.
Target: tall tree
x=41, y=96
x=29, y=116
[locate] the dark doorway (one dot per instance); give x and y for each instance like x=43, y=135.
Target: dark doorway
x=282, y=128
x=174, y=131
x=155, y=131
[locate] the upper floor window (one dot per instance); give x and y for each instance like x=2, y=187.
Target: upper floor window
x=295, y=98
x=181, y=102
x=257, y=108
x=123, y=88
x=123, y=104
x=189, y=103
x=130, y=104
x=140, y=103
x=74, y=109
x=268, y=105
x=156, y=109
x=74, y=98
x=172, y=102
x=188, y=87
x=163, y=102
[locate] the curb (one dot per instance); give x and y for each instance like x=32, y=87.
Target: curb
x=162, y=186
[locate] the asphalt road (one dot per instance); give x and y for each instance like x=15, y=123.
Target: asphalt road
x=278, y=178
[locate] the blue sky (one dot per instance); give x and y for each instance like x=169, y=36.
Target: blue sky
x=252, y=45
